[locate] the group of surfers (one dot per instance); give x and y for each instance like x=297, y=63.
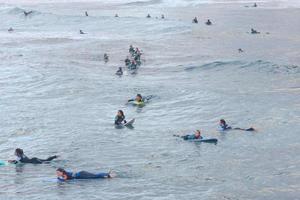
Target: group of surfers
x=133, y=61
x=63, y=175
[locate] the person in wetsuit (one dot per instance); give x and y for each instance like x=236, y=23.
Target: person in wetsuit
x=81, y=32
x=27, y=13
x=120, y=118
x=223, y=126
x=131, y=50
x=127, y=61
x=105, y=57
x=86, y=14
x=148, y=16
x=120, y=71
x=64, y=175
x=195, y=20
x=22, y=158
x=253, y=31
x=138, y=99
x=195, y=136
x=208, y=22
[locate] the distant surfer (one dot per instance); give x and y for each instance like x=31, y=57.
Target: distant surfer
x=120, y=118
x=254, y=5
x=22, y=158
x=194, y=136
x=106, y=58
x=240, y=50
x=148, y=16
x=27, y=13
x=195, y=20
x=208, y=22
x=119, y=72
x=81, y=32
x=116, y=15
x=10, y=30
x=86, y=14
x=64, y=175
x=162, y=16
x=253, y=31
x=223, y=126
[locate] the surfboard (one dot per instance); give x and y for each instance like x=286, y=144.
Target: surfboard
x=130, y=122
x=210, y=140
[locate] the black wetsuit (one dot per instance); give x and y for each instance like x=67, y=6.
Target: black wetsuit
x=119, y=120
x=25, y=159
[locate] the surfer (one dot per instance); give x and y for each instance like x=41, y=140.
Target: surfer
x=10, y=29
x=208, y=22
x=138, y=99
x=105, y=57
x=27, y=13
x=240, y=50
x=22, y=158
x=148, y=16
x=223, y=126
x=86, y=14
x=116, y=15
x=162, y=16
x=253, y=31
x=195, y=20
x=120, y=118
x=194, y=136
x=64, y=175
x=119, y=72
x=81, y=32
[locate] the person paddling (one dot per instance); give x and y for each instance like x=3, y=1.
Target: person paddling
x=194, y=136
x=64, y=175
x=22, y=158
x=223, y=126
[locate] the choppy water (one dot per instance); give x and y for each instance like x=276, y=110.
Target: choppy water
x=59, y=97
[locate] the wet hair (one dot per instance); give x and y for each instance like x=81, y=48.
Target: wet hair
x=198, y=131
x=62, y=171
x=19, y=152
x=223, y=121
x=121, y=111
x=139, y=95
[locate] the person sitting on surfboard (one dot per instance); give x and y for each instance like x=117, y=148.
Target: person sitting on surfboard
x=120, y=118
x=22, y=158
x=195, y=136
x=64, y=175
x=224, y=126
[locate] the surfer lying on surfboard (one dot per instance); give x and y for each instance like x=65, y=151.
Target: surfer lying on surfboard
x=64, y=175
x=196, y=135
x=223, y=126
x=22, y=158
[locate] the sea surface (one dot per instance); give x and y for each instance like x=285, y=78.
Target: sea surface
x=58, y=96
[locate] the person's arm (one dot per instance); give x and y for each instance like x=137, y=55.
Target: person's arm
x=130, y=100
x=13, y=161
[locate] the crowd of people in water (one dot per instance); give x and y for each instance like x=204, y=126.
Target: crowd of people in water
x=132, y=62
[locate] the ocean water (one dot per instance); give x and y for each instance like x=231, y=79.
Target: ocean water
x=58, y=96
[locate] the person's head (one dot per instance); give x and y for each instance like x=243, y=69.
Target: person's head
x=197, y=133
x=138, y=97
x=120, y=113
x=19, y=152
x=222, y=122
x=60, y=172
x=120, y=68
